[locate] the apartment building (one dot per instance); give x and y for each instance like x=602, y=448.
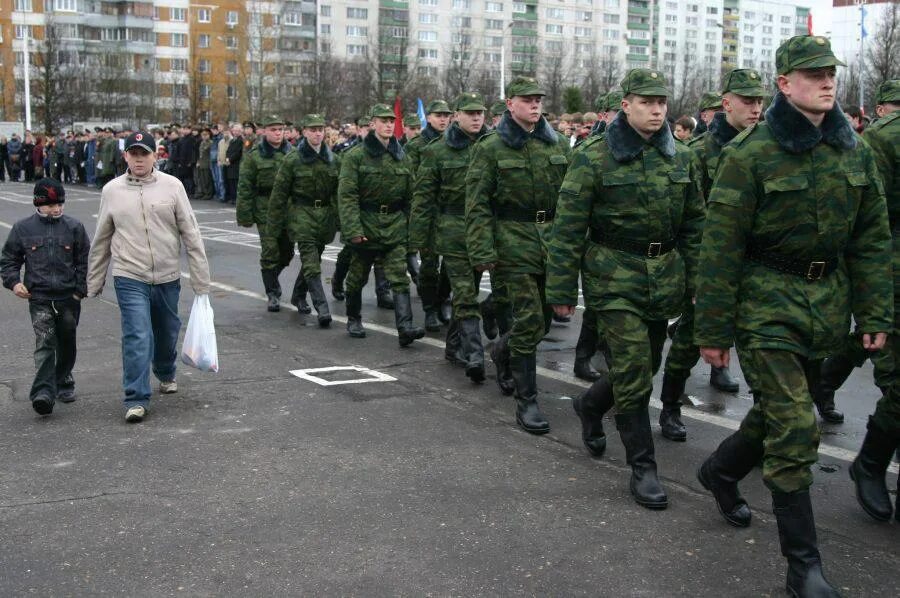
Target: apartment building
x=848, y=22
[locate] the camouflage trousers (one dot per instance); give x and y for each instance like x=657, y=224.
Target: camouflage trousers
x=464, y=282
x=310, y=258
x=275, y=253
x=782, y=417
x=362, y=259
x=882, y=361
x=530, y=315
x=683, y=353
x=635, y=354
x=887, y=411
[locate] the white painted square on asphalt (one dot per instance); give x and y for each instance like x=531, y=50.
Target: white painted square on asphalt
x=369, y=375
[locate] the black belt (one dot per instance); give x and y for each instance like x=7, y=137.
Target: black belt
x=810, y=270
x=642, y=248
x=454, y=210
x=525, y=215
x=384, y=208
x=314, y=203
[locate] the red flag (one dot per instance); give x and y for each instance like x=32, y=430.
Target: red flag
x=809, y=23
x=398, y=114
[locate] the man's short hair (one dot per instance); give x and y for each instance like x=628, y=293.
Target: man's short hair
x=853, y=111
x=685, y=122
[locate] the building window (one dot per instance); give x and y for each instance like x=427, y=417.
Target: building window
x=399, y=32
x=179, y=90
x=325, y=28
x=519, y=7
x=554, y=13
x=231, y=92
x=584, y=15
x=203, y=40
x=428, y=36
x=231, y=18
x=464, y=22
x=712, y=10
x=179, y=40
x=202, y=65
x=357, y=13
x=612, y=19
x=493, y=7
x=493, y=24
x=24, y=6
x=492, y=56
x=553, y=47
x=178, y=65
x=429, y=53
x=610, y=34
x=583, y=32
x=231, y=67
x=65, y=5
x=786, y=20
x=176, y=14
x=204, y=15
x=356, y=50
x=554, y=29
x=427, y=71
x=21, y=29
x=355, y=31
x=325, y=10
x=462, y=4
x=428, y=2
x=427, y=18
x=463, y=39
x=231, y=42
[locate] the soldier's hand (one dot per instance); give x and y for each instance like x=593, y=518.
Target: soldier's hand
x=359, y=239
x=716, y=357
x=485, y=267
x=874, y=342
x=563, y=311
x=21, y=291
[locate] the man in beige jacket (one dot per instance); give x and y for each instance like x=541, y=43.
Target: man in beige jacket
x=144, y=219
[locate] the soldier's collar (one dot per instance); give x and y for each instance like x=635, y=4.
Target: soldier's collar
x=796, y=134
x=516, y=137
x=376, y=148
x=268, y=150
x=457, y=138
x=308, y=155
x=626, y=144
x=429, y=133
x=721, y=129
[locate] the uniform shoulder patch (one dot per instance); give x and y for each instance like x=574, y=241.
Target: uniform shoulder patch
x=885, y=121
x=740, y=137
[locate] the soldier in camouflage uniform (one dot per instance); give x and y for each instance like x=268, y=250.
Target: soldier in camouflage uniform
x=439, y=205
x=742, y=93
x=497, y=110
x=412, y=128
x=429, y=276
x=259, y=166
x=883, y=435
x=374, y=189
x=796, y=241
x=512, y=186
x=303, y=204
x=710, y=103
x=629, y=220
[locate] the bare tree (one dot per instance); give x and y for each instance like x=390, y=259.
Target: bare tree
x=461, y=65
x=556, y=75
x=599, y=75
x=883, y=56
x=53, y=81
x=259, y=41
x=392, y=63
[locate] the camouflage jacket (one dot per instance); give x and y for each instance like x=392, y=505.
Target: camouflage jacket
x=374, y=190
x=513, y=171
x=418, y=143
x=708, y=147
x=107, y=156
x=257, y=175
x=883, y=137
x=439, y=196
x=627, y=188
x=304, y=196
x=801, y=193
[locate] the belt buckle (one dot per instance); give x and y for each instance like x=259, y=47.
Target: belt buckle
x=816, y=271
x=317, y=203
x=383, y=209
x=654, y=250
x=540, y=217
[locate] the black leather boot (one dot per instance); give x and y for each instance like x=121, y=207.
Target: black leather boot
x=354, y=314
x=489, y=317
x=897, y=506
x=470, y=333
x=337, y=279
x=634, y=428
x=406, y=331
x=428, y=297
x=584, y=352
x=453, y=347
x=500, y=357
x=412, y=266
x=273, y=289
x=670, y=422
x=869, y=470
x=797, y=533
x=590, y=408
x=834, y=372
x=735, y=457
x=382, y=289
x=298, y=296
x=445, y=311
x=528, y=413
x=721, y=379
x=317, y=294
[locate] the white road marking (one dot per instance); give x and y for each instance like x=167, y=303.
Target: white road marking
x=370, y=375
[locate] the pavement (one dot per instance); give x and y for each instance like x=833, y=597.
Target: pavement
x=409, y=480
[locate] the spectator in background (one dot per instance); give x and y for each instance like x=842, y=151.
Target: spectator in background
x=90, y=158
x=220, y=163
x=4, y=158
x=79, y=165
x=60, y=173
x=37, y=157
x=684, y=128
x=205, y=187
x=233, y=156
x=215, y=170
x=14, y=149
x=28, y=157
x=855, y=116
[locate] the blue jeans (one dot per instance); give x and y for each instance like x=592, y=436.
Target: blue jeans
x=218, y=181
x=150, y=327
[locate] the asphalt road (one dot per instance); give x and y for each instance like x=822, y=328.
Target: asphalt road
x=257, y=482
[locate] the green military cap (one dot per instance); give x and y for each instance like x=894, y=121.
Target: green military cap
x=600, y=103
x=382, y=111
x=412, y=120
x=524, y=86
x=889, y=91
x=744, y=82
x=363, y=121
x=805, y=52
x=470, y=100
x=271, y=120
x=498, y=107
x=312, y=120
x=614, y=101
x=710, y=100
x=438, y=107
x=644, y=82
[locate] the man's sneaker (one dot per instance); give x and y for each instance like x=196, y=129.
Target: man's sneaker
x=42, y=405
x=66, y=396
x=135, y=415
x=168, y=388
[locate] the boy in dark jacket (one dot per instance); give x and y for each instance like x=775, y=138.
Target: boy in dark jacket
x=54, y=250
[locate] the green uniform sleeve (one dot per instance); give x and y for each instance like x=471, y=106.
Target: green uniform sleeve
x=481, y=185
x=568, y=235
x=246, y=191
x=423, y=210
x=691, y=230
x=348, y=198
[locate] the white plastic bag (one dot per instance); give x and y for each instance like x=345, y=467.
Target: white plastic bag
x=199, y=349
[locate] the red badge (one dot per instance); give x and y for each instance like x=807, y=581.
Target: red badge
x=138, y=137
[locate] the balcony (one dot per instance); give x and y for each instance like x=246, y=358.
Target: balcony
x=393, y=4
x=524, y=32
x=637, y=10
x=638, y=42
x=525, y=16
x=638, y=26
x=637, y=57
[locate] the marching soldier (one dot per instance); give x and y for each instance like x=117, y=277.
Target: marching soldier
x=883, y=436
x=304, y=204
x=429, y=276
x=374, y=190
x=710, y=103
x=439, y=204
x=512, y=186
x=796, y=241
x=497, y=110
x=259, y=165
x=629, y=219
x=742, y=96
x=412, y=127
